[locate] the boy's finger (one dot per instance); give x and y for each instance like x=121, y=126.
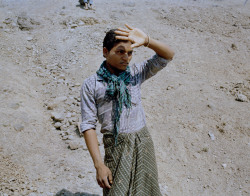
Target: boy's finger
x=129, y=27
x=100, y=183
x=122, y=37
x=106, y=183
x=124, y=30
x=110, y=178
x=122, y=33
x=135, y=45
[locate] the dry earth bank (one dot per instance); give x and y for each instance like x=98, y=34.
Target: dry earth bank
x=197, y=108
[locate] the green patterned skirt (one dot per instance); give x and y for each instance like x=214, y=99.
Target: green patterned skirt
x=132, y=163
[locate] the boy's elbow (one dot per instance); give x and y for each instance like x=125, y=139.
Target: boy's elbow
x=170, y=55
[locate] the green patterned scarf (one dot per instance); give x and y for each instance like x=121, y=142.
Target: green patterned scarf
x=116, y=90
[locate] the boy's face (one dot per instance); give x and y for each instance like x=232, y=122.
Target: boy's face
x=119, y=56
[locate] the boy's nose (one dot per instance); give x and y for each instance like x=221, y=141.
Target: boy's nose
x=125, y=56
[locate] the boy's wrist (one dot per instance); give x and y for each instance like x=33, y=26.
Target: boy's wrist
x=146, y=44
x=98, y=165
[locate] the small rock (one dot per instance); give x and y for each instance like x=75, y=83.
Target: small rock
x=57, y=116
x=29, y=47
x=62, y=134
x=64, y=128
x=68, y=115
x=29, y=38
x=72, y=123
x=73, y=145
x=67, y=132
x=81, y=176
x=68, y=137
x=60, y=99
x=66, y=169
x=51, y=106
x=7, y=21
x=57, y=125
x=73, y=114
x=81, y=23
x=73, y=26
x=62, y=76
x=211, y=135
x=18, y=127
x=224, y=165
x=234, y=47
x=74, y=119
x=169, y=87
x=241, y=97
x=211, y=106
x=67, y=124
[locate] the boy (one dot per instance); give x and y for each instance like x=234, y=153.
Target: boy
x=112, y=96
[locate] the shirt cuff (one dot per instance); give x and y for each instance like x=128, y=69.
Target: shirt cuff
x=84, y=127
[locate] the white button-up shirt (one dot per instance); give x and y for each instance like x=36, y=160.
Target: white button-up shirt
x=95, y=106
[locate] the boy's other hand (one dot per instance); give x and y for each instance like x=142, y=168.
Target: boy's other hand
x=104, y=176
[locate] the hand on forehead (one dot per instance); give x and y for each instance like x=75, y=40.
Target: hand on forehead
x=136, y=36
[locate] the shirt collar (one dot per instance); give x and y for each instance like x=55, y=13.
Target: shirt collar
x=99, y=78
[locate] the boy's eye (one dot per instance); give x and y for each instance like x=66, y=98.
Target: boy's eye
x=121, y=52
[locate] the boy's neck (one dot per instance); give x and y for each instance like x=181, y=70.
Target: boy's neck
x=113, y=70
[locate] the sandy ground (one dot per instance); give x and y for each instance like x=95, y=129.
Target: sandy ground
x=197, y=108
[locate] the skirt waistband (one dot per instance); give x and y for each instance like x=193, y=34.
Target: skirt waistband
x=109, y=140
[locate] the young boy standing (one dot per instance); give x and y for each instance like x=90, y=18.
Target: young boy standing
x=112, y=96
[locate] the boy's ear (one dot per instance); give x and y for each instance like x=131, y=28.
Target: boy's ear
x=105, y=52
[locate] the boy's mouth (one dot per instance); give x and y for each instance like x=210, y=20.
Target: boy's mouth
x=124, y=63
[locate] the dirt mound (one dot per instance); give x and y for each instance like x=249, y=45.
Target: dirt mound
x=197, y=108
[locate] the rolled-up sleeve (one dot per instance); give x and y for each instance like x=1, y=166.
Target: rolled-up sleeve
x=151, y=66
x=88, y=106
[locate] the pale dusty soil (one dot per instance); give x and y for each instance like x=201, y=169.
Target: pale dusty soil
x=201, y=132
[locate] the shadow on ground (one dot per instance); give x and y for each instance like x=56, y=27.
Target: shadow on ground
x=81, y=4
x=65, y=192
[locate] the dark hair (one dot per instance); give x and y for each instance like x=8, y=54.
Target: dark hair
x=109, y=40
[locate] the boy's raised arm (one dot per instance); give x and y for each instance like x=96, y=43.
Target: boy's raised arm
x=138, y=38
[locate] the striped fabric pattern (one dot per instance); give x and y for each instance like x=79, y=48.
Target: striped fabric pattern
x=132, y=163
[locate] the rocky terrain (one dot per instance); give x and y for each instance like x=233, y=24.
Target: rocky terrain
x=197, y=108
